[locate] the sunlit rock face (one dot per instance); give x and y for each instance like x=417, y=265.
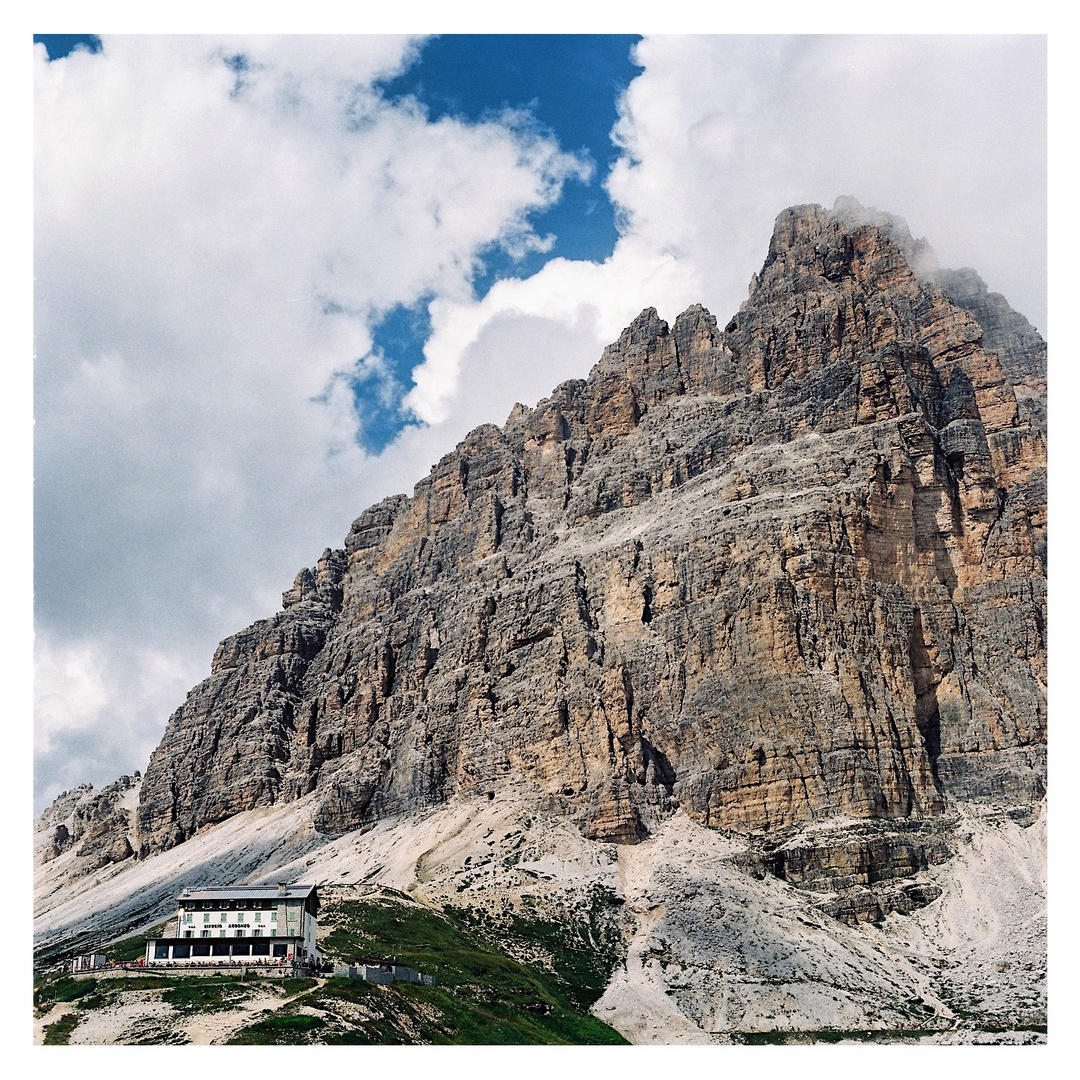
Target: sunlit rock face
x=774, y=572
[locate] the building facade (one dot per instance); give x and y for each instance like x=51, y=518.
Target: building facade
x=251, y=924
x=89, y=962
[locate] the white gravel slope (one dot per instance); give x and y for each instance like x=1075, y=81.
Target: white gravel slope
x=709, y=948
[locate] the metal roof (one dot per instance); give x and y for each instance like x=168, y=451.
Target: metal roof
x=249, y=892
x=273, y=939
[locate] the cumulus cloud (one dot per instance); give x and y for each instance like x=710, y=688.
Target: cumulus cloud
x=220, y=222
x=80, y=716
x=590, y=302
x=720, y=133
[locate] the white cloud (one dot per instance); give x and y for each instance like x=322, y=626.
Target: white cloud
x=80, y=715
x=194, y=222
x=590, y=301
x=723, y=132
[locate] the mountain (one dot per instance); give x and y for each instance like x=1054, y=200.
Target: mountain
x=779, y=586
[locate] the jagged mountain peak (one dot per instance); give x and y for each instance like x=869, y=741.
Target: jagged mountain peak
x=636, y=595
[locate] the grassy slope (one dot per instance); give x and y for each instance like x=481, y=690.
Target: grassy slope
x=132, y=948
x=482, y=996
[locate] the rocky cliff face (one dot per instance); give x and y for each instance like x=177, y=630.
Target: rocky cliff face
x=96, y=827
x=774, y=573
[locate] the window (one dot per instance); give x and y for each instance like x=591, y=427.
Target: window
x=260, y=948
x=279, y=950
x=241, y=903
x=188, y=917
x=181, y=952
x=161, y=952
x=241, y=950
x=204, y=933
x=187, y=933
x=219, y=950
x=200, y=950
x=223, y=916
x=221, y=932
x=257, y=932
x=258, y=916
x=240, y=931
x=206, y=917
x=273, y=916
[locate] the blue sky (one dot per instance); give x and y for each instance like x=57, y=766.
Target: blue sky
x=59, y=45
x=570, y=85
x=272, y=293
x=567, y=85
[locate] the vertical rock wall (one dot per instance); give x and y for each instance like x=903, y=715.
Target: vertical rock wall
x=774, y=573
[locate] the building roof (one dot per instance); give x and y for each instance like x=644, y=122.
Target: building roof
x=249, y=892
x=272, y=939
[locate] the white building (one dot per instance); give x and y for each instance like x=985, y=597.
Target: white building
x=250, y=924
x=89, y=962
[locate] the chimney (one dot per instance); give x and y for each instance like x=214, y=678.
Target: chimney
x=281, y=887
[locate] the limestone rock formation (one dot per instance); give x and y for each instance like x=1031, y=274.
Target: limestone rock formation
x=95, y=826
x=772, y=573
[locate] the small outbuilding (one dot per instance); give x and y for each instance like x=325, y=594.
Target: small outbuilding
x=88, y=962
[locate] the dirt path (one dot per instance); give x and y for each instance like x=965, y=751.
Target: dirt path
x=42, y=1022
x=143, y=1017
x=206, y=1029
